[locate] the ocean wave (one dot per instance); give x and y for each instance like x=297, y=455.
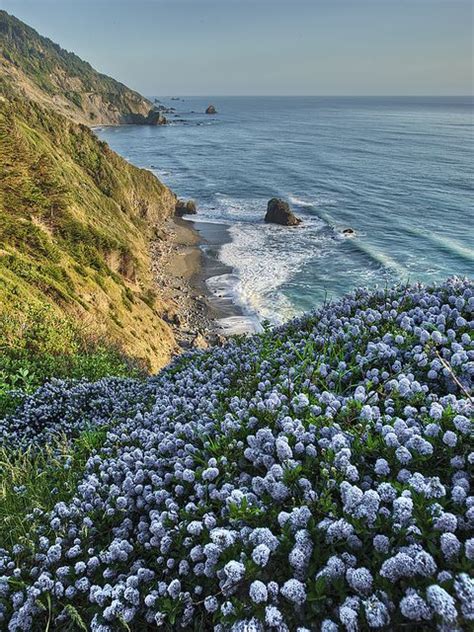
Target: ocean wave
x=408, y=203
x=452, y=246
x=265, y=258
x=226, y=286
x=379, y=257
x=226, y=208
x=301, y=202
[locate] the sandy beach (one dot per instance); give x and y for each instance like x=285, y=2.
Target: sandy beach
x=184, y=256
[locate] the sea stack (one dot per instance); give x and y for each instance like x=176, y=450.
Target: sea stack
x=279, y=212
x=211, y=110
x=185, y=207
x=156, y=117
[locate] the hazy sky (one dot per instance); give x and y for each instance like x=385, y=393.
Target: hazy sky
x=218, y=47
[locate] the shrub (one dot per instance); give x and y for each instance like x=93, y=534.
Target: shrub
x=314, y=477
x=37, y=344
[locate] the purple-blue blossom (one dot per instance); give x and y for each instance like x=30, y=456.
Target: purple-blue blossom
x=335, y=449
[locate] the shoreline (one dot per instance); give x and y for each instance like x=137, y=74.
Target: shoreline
x=221, y=280
x=184, y=255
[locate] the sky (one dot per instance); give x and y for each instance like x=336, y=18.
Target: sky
x=267, y=47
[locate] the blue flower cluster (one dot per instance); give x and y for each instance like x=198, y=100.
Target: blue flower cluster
x=69, y=407
x=315, y=477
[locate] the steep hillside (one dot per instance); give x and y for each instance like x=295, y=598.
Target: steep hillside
x=75, y=223
x=314, y=478
x=44, y=72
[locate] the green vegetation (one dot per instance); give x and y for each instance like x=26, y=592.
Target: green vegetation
x=33, y=479
x=77, y=298
x=36, y=344
x=75, y=220
x=42, y=67
x=302, y=478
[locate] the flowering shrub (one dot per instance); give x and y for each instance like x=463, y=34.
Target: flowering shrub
x=316, y=477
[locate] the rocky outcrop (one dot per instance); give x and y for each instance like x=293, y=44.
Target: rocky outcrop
x=185, y=207
x=211, y=110
x=279, y=212
x=199, y=342
x=165, y=109
x=156, y=117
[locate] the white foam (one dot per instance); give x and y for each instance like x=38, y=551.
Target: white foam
x=313, y=202
x=265, y=258
x=238, y=325
x=226, y=286
x=225, y=209
x=293, y=199
x=222, y=284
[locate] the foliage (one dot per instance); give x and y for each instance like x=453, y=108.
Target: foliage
x=37, y=344
x=75, y=220
x=30, y=480
x=314, y=477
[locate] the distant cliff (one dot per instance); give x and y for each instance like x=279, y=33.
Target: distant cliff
x=44, y=72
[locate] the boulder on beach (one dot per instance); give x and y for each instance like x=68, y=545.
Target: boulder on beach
x=185, y=207
x=279, y=212
x=211, y=110
x=199, y=342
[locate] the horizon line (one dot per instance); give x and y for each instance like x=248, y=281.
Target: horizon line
x=322, y=96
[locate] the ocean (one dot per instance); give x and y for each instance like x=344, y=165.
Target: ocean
x=398, y=171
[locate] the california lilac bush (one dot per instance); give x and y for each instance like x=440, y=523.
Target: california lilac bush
x=68, y=407
x=315, y=477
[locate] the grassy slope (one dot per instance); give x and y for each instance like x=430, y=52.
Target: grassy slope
x=45, y=72
x=75, y=219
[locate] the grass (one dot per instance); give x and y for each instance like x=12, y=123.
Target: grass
x=38, y=343
x=75, y=223
x=258, y=367
x=38, y=480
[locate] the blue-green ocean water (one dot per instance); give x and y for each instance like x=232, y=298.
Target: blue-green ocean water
x=399, y=171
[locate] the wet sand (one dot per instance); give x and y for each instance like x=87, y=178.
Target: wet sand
x=230, y=318
x=184, y=257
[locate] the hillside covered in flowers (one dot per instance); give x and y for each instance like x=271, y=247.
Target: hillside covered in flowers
x=315, y=477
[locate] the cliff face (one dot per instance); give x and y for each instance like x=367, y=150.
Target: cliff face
x=75, y=224
x=76, y=219
x=44, y=72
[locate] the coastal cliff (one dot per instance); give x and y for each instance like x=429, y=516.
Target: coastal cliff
x=75, y=224
x=76, y=220
x=44, y=72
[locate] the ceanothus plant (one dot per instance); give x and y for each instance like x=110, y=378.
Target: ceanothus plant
x=315, y=477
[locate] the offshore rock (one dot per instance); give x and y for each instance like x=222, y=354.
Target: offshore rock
x=279, y=212
x=185, y=207
x=211, y=110
x=156, y=117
